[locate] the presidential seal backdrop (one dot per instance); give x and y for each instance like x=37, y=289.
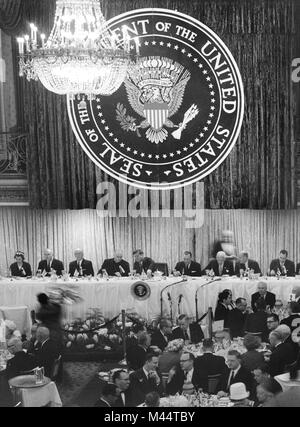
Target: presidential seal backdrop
x=179, y=112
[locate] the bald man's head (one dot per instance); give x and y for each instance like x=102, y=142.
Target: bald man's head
x=42, y=334
x=14, y=345
x=118, y=256
x=262, y=288
x=78, y=253
x=48, y=254
x=221, y=256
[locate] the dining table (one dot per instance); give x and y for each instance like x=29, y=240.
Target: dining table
x=112, y=295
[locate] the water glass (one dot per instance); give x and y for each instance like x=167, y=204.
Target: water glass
x=39, y=375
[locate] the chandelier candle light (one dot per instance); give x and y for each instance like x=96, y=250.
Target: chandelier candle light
x=81, y=56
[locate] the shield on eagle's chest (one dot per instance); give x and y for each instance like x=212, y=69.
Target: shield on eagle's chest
x=156, y=114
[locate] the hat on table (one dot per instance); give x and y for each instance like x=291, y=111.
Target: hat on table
x=238, y=392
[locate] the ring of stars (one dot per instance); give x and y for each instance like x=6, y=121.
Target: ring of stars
x=205, y=129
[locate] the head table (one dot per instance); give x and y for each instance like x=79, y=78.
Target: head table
x=113, y=295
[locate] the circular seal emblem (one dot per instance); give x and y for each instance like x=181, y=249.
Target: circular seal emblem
x=179, y=112
x=140, y=290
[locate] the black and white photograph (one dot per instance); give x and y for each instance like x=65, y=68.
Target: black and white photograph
x=149, y=206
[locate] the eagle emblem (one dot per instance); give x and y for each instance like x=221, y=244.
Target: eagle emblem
x=155, y=89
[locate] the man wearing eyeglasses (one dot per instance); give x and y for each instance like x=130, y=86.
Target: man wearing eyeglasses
x=272, y=322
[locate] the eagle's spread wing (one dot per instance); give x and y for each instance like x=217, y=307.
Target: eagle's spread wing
x=177, y=96
x=133, y=96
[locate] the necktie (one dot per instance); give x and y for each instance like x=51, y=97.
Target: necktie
x=78, y=267
x=230, y=379
x=186, y=337
x=123, y=398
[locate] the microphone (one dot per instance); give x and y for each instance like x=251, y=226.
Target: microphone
x=179, y=302
x=196, y=296
x=171, y=304
x=169, y=296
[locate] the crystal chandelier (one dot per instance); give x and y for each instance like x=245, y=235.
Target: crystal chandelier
x=81, y=56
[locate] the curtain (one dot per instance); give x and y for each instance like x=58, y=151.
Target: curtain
x=12, y=24
x=258, y=174
x=8, y=109
x=11, y=15
x=64, y=230
x=263, y=233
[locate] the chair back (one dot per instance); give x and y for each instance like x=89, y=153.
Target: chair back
x=162, y=266
x=55, y=368
x=213, y=382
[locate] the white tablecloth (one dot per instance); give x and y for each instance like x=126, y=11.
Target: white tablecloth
x=114, y=295
x=286, y=383
x=41, y=396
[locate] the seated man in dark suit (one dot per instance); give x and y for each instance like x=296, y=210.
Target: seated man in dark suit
x=208, y=365
x=187, y=267
x=48, y=351
x=136, y=353
x=283, y=354
x=252, y=359
x=31, y=346
x=147, y=379
x=161, y=336
x=20, y=268
x=236, y=318
x=246, y=264
x=49, y=264
x=126, y=396
x=116, y=266
x=187, y=330
x=183, y=379
x=21, y=362
x=221, y=266
x=142, y=263
x=262, y=292
x=282, y=265
x=108, y=396
x=256, y=323
x=137, y=329
x=235, y=373
x=81, y=267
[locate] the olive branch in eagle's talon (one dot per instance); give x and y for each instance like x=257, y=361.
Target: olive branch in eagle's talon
x=128, y=123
